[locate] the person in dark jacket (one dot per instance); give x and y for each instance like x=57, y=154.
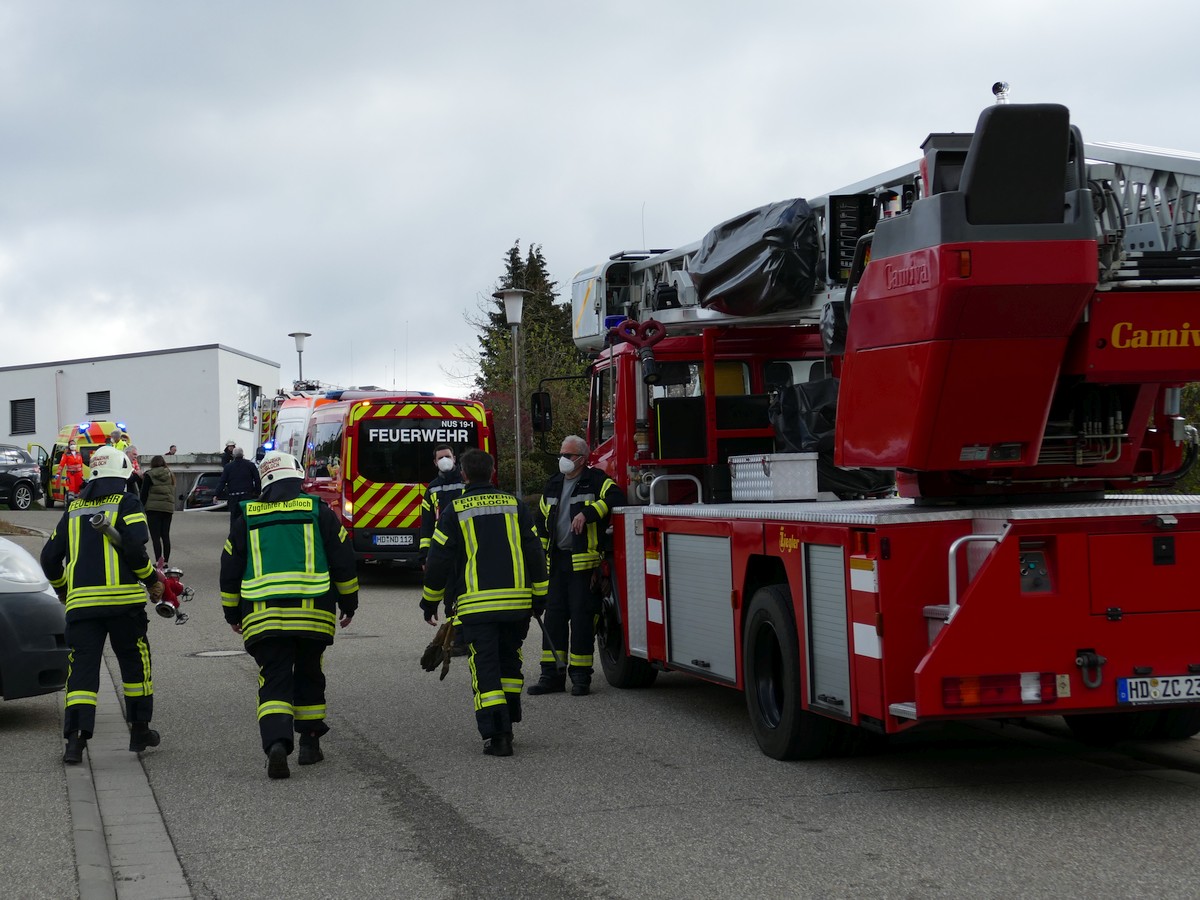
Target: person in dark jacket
x=158, y=498
x=283, y=598
x=239, y=481
x=100, y=576
x=573, y=517
x=227, y=453
x=486, y=539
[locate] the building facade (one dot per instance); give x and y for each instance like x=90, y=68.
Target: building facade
x=196, y=398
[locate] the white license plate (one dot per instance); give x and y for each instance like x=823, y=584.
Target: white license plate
x=394, y=540
x=1163, y=689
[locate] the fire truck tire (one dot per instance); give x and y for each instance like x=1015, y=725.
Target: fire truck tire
x=771, y=674
x=1177, y=724
x=620, y=669
x=1108, y=728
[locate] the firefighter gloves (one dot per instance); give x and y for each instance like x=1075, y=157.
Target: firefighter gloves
x=428, y=610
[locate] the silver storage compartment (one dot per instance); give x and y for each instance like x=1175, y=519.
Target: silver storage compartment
x=774, y=476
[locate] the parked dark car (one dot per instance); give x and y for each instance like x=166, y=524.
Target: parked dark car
x=203, y=492
x=20, y=478
x=33, y=639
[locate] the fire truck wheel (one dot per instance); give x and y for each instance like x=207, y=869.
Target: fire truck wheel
x=771, y=673
x=620, y=670
x=1177, y=724
x=1108, y=728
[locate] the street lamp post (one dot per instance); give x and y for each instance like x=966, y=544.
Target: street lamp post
x=513, y=299
x=300, y=336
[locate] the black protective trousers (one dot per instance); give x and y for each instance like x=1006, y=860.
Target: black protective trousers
x=569, y=604
x=126, y=631
x=291, y=688
x=496, y=680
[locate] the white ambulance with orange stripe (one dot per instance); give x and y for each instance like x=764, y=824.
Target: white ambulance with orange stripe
x=368, y=454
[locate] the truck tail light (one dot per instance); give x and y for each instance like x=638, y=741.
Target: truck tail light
x=348, y=510
x=999, y=690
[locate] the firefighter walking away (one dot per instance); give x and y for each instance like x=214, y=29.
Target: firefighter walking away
x=286, y=571
x=99, y=572
x=485, y=539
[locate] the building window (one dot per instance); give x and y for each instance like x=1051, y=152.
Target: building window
x=247, y=401
x=21, y=417
x=99, y=403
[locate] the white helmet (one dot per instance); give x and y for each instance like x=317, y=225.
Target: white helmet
x=277, y=465
x=109, y=462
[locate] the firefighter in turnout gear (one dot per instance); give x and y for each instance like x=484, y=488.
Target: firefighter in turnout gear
x=487, y=539
x=447, y=486
x=99, y=572
x=286, y=569
x=574, y=514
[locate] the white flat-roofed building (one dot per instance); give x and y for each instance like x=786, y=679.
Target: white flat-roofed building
x=196, y=398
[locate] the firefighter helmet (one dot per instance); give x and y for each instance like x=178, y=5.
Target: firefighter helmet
x=277, y=465
x=109, y=462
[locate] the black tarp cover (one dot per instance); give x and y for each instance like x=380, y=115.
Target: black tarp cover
x=803, y=416
x=762, y=261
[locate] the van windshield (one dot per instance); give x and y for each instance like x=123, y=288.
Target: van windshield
x=400, y=451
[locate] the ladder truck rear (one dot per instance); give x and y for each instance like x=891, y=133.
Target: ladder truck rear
x=894, y=455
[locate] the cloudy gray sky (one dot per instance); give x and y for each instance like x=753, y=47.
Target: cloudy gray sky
x=184, y=172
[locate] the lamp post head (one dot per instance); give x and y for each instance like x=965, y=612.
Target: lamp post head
x=513, y=299
x=299, y=336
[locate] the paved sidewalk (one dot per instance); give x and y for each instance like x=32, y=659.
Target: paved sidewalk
x=121, y=845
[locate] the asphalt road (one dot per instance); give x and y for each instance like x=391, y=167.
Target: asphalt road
x=652, y=793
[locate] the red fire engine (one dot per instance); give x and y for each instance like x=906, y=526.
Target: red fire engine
x=368, y=454
x=1000, y=330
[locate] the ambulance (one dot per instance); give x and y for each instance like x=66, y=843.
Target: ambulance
x=87, y=437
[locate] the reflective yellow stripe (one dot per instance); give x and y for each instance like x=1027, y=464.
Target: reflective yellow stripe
x=147, y=680
x=491, y=698
x=580, y=659
x=308, y=713
x=274, y=707
x=81, y=698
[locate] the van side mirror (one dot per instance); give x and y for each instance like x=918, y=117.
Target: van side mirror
x=539, y=411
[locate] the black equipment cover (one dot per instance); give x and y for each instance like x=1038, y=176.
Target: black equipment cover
x=762, y=261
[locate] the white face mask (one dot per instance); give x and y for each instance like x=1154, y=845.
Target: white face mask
x=445, y=464
x=565, y=465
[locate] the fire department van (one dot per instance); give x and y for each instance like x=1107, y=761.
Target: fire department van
x=368, y=454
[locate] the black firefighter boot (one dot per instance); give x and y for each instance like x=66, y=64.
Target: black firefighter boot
x=277, y=766
x=547, y=684
x=141, y=736
x=310, y=750
x=76, y=744
x=498, y=745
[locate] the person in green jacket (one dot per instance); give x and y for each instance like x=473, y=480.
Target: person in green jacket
x=158, y=498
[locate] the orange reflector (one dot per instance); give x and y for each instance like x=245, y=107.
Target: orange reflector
x=999, y=690
x=964, y=263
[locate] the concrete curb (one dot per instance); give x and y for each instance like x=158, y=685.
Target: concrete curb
x=140, y=850
x=92, y=866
